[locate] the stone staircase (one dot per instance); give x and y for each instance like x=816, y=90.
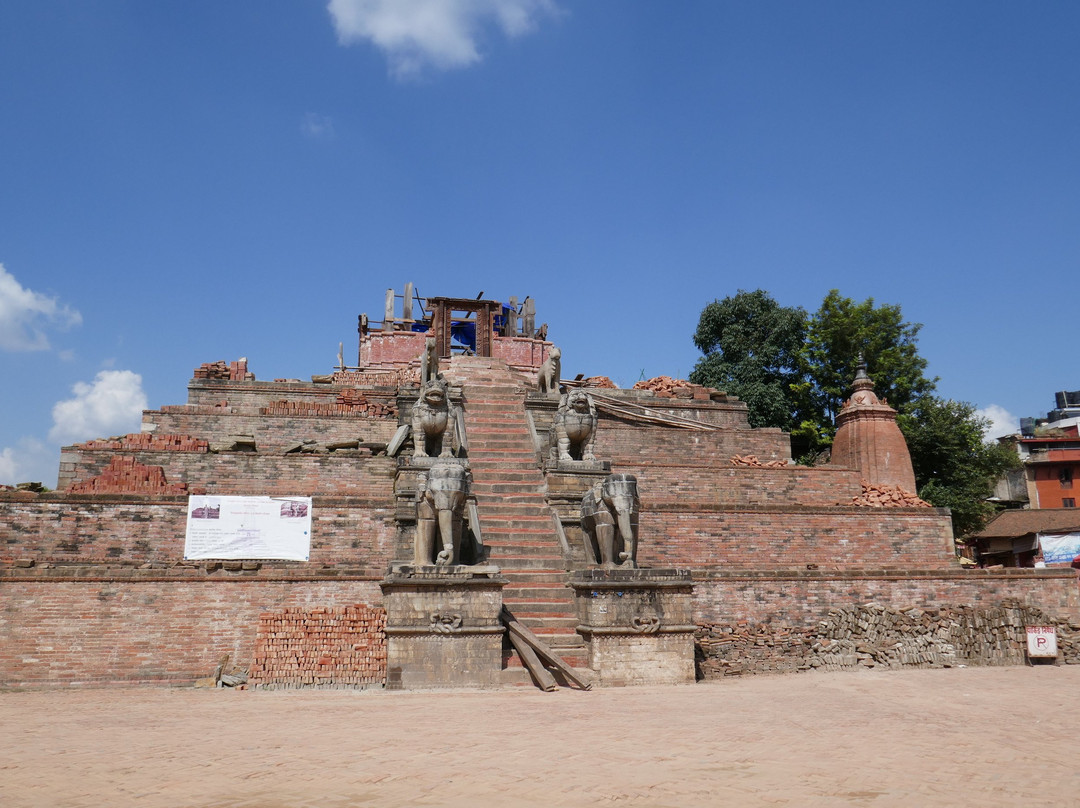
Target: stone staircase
x=515, y=519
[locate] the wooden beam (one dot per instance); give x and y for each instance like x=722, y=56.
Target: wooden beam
x=515, y=627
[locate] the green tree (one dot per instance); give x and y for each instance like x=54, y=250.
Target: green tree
x=751, y=345
x=954, y=466
x=841, y=331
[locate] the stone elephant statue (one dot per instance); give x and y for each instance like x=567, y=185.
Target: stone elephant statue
x=609, y=517
x=440, y=509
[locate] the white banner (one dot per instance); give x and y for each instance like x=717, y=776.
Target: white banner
x=1059, y=548
x=232, y=528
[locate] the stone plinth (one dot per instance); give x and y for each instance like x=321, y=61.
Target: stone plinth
x=442, y=626
x=638, y=624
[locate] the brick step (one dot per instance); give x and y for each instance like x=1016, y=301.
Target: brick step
x=511, y=516
x=532, y=578
x=495, y=457
x=496, y=536
x=503, y=543
x=508, y=487
x=519, y=589
x=515, y=565
x=509, y=556
x=537, y=603
x=508, y=476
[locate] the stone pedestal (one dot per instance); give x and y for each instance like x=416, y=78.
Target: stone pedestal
x=638, y=624
x=442, y=626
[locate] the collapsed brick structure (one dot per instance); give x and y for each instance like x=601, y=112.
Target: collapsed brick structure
x=94, y=587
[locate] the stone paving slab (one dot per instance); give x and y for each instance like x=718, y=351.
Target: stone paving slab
x=960, y=737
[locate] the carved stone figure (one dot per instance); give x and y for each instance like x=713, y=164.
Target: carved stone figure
x=440, y=507
x=550, y=372
x=429, y=362
x=434, y=422
x=609, y=517
x=574, y=428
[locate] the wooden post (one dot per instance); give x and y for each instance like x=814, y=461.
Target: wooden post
x=388, y=313
x=528, y=325
x=510, y=329
x=406, y=307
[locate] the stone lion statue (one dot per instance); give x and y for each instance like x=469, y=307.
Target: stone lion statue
x=434, y=422
x=574, y=428
x=550, y=372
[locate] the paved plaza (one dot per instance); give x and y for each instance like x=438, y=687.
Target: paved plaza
x=961, y=737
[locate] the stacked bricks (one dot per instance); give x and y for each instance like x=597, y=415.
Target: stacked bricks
x=337, y=647
x=232, y=371
x=148, y=442
x=125, y=475
x=382, y=378
x=350, y=402
x=874, y=636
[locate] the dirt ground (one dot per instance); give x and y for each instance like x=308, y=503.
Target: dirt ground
x=961, y=737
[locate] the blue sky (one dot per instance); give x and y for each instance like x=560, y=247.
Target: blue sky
x=187, y=182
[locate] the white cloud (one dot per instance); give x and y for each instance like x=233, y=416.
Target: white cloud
x=441, y=34
x=29, y=461
x=25, y=314
x=1002, y=422
x=112, y=404
x=318, y=127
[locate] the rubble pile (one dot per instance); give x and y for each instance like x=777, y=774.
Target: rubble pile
x=751, y=461
x=350, y=402
x=148, y=442
x=873, y=635
x=886, y=496
x=667, y=387
x=599, y=383
x=337, y=647
x=124, y=475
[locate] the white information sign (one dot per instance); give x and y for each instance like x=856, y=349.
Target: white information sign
x=232, y=528
x=1059, y=548
x=1042, y=641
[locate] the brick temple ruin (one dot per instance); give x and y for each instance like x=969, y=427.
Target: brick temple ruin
x=473, y=517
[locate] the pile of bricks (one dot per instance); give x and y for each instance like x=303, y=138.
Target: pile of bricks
x=873, y=635
x=667, y=387
x=599, y=383
x=350, y=402
x=125, y=475
x=148, y=442
x=886, y=496
x=379, y=378
x=227, y=371
x=751, y=461
x=195, y=409
x=336, y=647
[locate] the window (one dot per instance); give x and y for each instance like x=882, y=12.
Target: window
x=1068, y=502
x=1065, y=476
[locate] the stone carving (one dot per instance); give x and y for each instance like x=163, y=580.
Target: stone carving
x=429, y=362
x=609, y=517
x=434, y=422
x=645, y=623
x=550, y=372
x=574, y=428
x=440, y=507
x=445, y=623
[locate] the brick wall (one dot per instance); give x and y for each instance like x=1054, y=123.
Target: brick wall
x=337, y=473
x=273, y=434
x=56, y=528
x=789, y=536
x=55, y=632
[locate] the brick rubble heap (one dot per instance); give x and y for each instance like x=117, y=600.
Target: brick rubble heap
x=125, y=475
x=751, y=461
x=886, y=496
